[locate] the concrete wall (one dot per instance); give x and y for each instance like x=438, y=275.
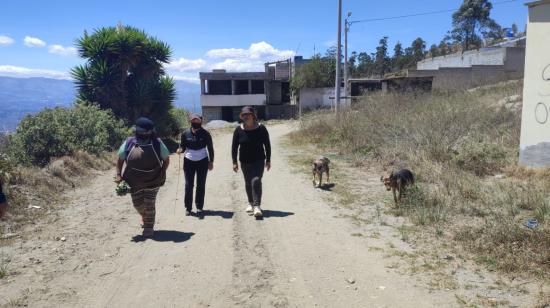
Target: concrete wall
x=281, y=111
x=515, y=60
x=460, y=78
x=535, y=121
x=211, y=113
x=486, y=56
x=263, y=112
x=512, y=58
x=275, y=94
x=311, y=98
x=233, y=100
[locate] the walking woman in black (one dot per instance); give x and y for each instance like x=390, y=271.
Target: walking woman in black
x=251, y=141
x=196, y=144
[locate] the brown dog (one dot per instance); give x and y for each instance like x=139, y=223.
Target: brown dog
x=397, y=181
x=320, y=165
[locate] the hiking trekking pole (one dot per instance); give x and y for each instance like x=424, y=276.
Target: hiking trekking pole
x=178, y=185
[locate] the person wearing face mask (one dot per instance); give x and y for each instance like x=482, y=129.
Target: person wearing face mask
x=251, y=141
x=146, y=159
x=196, y=144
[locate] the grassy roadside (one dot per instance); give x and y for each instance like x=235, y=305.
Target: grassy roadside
x=463, y=149
x=34, y=192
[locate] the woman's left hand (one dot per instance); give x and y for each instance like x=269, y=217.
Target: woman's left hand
x=268, y=165
x=210, y=166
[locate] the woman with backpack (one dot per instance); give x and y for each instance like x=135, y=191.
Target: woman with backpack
x=146, y=159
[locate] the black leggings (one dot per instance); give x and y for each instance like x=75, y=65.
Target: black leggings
x=189, y=169
x=253, y=173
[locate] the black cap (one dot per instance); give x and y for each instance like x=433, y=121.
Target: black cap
x=248, y=109
x=144, y=125
x=194, y=116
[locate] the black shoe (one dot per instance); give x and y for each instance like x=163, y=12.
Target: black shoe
x=200, y=213
x=188, y=213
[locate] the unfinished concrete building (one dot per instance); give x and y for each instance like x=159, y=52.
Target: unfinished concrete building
x=223, y=93
x=472, y=68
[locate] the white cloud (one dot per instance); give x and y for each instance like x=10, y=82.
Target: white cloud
x=239, y=65
x=186, y=65
x=232, y=59
x=227, y=53
x=261, y=51
x=17, y=71
x=5, y=40
x=61, y=50
x=34, y=42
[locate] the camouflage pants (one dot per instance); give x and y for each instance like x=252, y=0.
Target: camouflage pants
x=144, y=203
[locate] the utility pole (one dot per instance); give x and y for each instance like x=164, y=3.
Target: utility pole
x=347, y=24
x=338, y=57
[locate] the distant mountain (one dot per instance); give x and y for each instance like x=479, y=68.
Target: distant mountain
x=21, y=96
x=188, y=95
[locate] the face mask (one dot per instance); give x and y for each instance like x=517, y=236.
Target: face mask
x=143, y=136
x=196, y=125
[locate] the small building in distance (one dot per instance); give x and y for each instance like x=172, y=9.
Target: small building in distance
x=223, y=93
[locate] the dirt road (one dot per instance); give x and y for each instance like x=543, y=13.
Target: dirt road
x=299, y=255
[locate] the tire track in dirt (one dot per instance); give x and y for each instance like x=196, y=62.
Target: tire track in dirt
x=253, y=269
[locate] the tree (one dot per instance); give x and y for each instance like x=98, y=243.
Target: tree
x=444, y=47
x=418, y=48
x=381, y=59
x=471, y=23
x=434, y=51
x=365, y=65
x=398, y=57
x=415, y=52
x=319, y=72
x=124, y=72
x=352, y=62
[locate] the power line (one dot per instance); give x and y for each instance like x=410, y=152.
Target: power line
x=419, y=14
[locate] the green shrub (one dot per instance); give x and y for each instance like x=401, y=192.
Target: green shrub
x=481, y=158
x=63, y=131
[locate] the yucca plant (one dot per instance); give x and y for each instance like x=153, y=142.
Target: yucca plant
x=124, y=72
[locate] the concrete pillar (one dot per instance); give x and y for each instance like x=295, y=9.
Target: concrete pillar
x=233, y=87
x=203, y=86
x=249, y=86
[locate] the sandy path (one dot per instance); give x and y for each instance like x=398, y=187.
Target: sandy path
x=298, y=255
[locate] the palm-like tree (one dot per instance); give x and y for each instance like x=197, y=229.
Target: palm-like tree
x=124, y=72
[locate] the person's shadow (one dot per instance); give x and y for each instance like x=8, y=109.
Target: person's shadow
x=222, y=214
x=166, y=236
x=274, y=214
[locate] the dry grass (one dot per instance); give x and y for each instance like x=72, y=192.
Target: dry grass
x=34, y=192
x=454, y=144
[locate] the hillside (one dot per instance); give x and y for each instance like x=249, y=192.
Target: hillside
x=21, y=96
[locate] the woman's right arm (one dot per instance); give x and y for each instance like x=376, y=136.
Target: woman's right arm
x=234, y=149
x=182, y=147
x=119, y=164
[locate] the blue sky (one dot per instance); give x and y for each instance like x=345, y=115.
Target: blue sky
x=236, y=35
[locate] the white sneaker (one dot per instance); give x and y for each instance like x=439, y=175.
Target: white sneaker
x=257, y=211
x=249, y=209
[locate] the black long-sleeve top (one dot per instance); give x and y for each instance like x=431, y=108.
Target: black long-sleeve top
x=252, y=145
x=197, y=141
